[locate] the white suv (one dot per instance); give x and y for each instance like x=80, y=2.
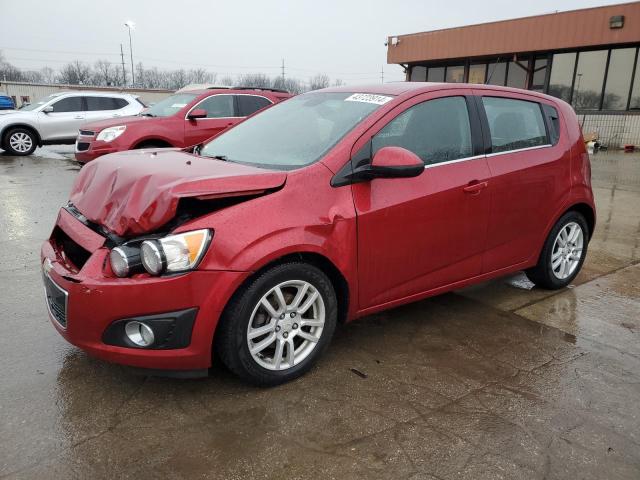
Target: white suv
x=57, y=118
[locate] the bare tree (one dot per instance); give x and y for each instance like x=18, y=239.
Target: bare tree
x=338, y=82
x=319, y=81
x=105, y=73
x=200, y=75
x=8, y=71
x=227, y=80
x=75, y=73
x=32, y=76
x=48, y=74
x=256, y=80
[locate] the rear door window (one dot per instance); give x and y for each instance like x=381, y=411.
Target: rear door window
x=69, y=104
x=514, y=124
x=218, y=106
x=249, y=104
x=436, y=130
x=105, y=103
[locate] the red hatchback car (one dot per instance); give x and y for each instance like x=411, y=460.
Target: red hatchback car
x=332, y=205
x=180, y=120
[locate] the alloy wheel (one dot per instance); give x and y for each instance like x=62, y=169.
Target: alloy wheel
x=567, y=250
x=286, y=325
x=20, y=142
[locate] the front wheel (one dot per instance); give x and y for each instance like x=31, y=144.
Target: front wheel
x=278, y=325
x=20, y=141
x=563, y=253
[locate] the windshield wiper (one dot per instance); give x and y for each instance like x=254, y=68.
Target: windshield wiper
x=224, y=158
x=147, y=114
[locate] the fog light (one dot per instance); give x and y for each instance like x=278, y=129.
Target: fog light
x=139, y=333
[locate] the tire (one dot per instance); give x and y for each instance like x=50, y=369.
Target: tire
x=246, y=314
x=556, y=266
x=20, y=142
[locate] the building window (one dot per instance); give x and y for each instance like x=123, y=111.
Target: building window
x=616, y=91
x=496, y=73
x=587, y=89
x=418, y=74
x=517, y=74
x=539, y=74
x=455, y=74
x=476, y=73
x=435, y=74
x=562, y=68
x=635, y=93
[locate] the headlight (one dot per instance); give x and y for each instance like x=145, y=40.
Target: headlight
x=111, y=133
x=175, y=253
x=125, y=261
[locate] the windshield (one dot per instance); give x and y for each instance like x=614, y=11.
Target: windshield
x=170, y=105
x=39, y=103
x=296, y=132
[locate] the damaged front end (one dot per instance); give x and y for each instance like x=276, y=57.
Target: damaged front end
x=135, y=200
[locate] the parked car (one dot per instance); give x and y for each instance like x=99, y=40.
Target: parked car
x=181, y=120
x=6, y=103
x=332, y=205
x=56, y=118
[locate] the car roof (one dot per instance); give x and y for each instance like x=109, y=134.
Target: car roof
x=93, y=93
x=414, y=88
x=235, y=91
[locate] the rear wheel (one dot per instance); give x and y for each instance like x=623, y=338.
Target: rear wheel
x=20, y=141
x=563, y=253
x=277, y=326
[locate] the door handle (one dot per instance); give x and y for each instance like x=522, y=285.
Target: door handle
x=79, y=117
x=475, y=187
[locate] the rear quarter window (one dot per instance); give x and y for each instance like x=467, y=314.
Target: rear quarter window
x=553, y=123
x=514, y=124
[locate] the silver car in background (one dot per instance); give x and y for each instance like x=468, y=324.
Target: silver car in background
x=57, y=118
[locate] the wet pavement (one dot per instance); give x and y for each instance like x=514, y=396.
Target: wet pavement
x=500, y=380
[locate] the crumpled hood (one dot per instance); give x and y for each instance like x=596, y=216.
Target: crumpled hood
x=135, y=192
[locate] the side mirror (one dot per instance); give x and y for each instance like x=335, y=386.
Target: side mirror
x=48, y=109
x=390, y=162
x=197, y=113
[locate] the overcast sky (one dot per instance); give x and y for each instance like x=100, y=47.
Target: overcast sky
x=342, y=38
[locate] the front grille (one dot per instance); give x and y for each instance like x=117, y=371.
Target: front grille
x=82, y=146
x=87, y=133
x=69, y=249
x=56, y=300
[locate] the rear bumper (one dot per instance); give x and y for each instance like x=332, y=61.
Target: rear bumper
x=95, y=301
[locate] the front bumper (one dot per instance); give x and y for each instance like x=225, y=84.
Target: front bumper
x=95, y=301
x=88, y=148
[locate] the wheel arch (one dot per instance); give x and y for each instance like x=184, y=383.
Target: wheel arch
x=155, y=141
x=338, y=280
x=587, y=212
x=26, y=126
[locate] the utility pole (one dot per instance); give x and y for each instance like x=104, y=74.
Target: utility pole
x=283, y=73
x=382, y=74
x=124, y=72
x=131, y=25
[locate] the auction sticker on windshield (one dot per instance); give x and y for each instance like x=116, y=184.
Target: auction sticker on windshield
x=368, y=98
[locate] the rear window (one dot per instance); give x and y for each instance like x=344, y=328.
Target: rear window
x=514, y=124
x=105, y=103
x=249, y=104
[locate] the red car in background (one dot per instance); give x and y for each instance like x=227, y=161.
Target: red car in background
x=183, y=119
